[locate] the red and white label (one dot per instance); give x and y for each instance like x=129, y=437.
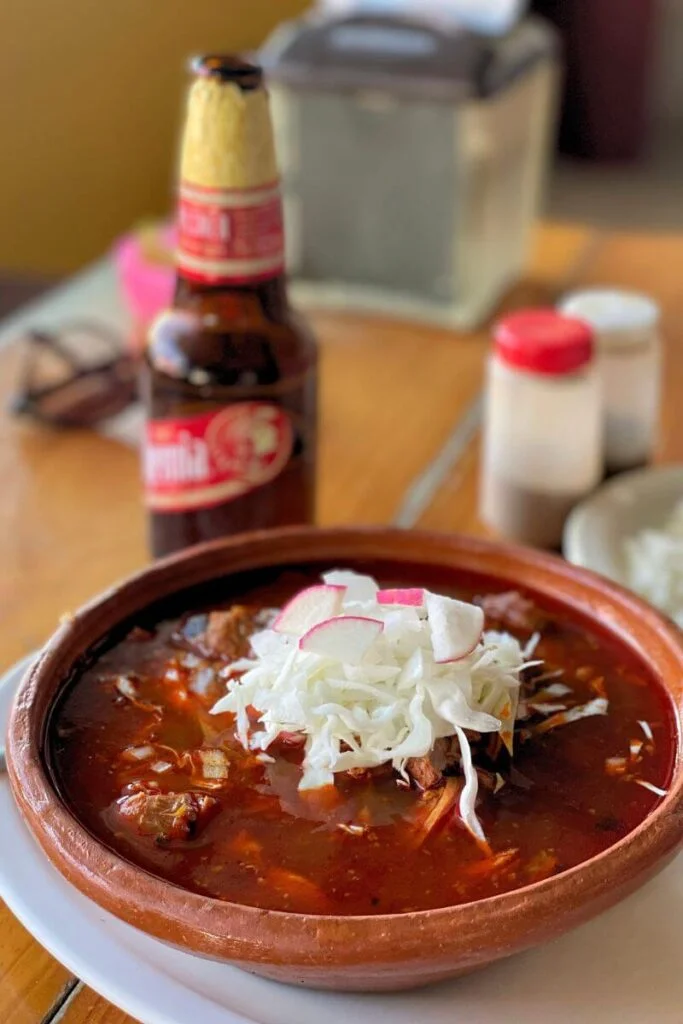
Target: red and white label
x=230, y=236
x=205, y=460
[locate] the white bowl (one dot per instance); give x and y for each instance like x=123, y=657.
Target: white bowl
x=597, y=529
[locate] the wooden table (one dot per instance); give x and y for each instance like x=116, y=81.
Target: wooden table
x=399, y=444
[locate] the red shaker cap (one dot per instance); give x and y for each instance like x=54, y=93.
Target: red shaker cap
x=543, y=341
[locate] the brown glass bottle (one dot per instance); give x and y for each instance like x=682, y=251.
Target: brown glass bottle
x=230, y=374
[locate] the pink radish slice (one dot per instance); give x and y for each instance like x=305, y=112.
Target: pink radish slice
x=409, y=597
x=308, y=607
x=456, y=627
x=346, y=638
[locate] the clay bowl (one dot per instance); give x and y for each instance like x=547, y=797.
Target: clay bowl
x=357, y=953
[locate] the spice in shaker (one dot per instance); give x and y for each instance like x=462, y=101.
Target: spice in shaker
x=626, y=328
x=543, y=425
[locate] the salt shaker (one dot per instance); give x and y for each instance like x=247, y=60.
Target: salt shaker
x=543, y=425
x=626, y=327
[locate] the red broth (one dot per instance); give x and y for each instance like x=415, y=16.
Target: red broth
x=360, y=847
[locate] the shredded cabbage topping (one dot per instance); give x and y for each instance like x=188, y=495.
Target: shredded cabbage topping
x=393, y=704
x=654, y=561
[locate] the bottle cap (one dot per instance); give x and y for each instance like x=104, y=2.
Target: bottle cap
x=227, y=68
x=619, y=317
x=544, y=341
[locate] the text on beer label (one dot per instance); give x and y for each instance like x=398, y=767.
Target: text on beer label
x=230, y=235
x=199, y=461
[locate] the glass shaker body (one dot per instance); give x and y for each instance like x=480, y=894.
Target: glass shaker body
x=629, y=356
x=542, y=448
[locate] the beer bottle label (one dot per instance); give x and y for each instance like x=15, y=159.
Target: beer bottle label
x=230, y=235
x=199, y=461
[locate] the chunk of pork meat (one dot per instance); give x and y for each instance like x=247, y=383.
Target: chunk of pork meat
x=423, y=772
x=223, y=633
x=167, y=815
x=428, y=771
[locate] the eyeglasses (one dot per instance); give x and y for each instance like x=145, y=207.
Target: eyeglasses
x=76, y=378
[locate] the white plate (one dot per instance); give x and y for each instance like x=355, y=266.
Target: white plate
x=623, y=968
x=597, y=528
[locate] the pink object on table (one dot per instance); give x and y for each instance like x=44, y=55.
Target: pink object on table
x=147, y=285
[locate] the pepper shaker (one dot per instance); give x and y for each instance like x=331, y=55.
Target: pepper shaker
x=543, y=425
x=628, y=346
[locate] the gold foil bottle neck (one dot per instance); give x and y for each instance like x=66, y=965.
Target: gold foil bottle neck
x=228, y=137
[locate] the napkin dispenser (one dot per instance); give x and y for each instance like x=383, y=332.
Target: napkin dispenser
x=413, y=154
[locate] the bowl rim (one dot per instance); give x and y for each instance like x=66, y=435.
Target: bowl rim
x=214, y=927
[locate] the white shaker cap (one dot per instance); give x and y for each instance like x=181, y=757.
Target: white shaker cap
x=613, y=314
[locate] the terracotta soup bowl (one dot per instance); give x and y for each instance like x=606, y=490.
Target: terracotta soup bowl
x=381, y=952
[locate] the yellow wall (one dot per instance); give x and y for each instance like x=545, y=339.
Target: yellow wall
x=90, y=100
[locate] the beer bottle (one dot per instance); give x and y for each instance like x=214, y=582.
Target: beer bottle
x=230, y=372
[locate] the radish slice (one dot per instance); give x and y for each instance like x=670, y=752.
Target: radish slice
x=308, y=607
x=346, y=638
x=409, y=597
x=456, y=627
x=358, y=587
